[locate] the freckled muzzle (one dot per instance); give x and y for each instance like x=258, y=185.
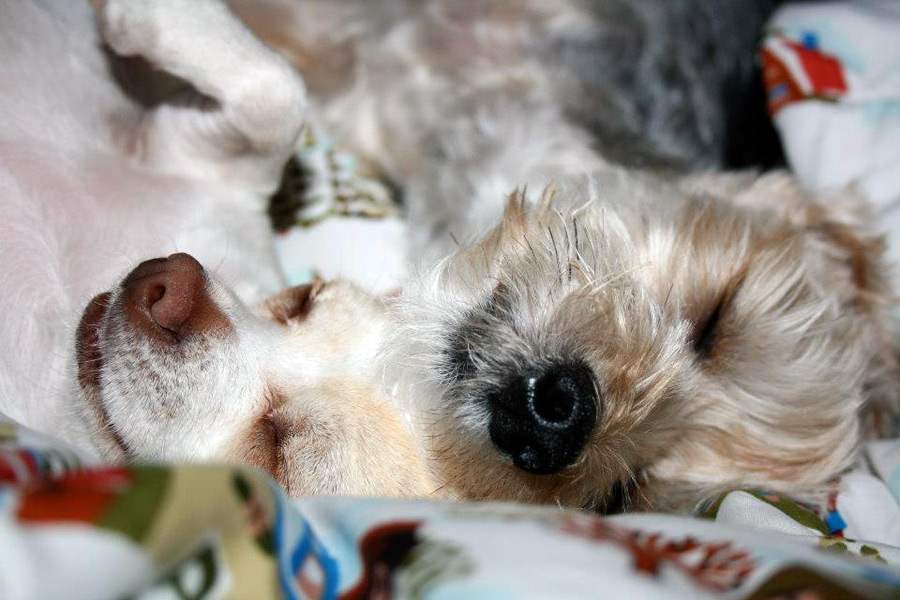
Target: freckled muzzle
x=543, y=420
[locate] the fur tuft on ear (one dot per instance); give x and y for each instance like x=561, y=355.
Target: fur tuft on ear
x=515, y=214
x=545, y=204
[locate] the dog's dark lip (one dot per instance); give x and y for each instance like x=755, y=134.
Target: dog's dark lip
x=87, y=341
x=89, y=357
x=277, y=431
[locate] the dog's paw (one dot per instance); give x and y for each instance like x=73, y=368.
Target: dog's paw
x=128, y=26
x=159, y=29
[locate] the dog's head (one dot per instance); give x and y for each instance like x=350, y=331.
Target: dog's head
x=173, y=367
x=649, y=341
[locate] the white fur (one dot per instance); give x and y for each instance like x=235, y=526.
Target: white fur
x=91, y=183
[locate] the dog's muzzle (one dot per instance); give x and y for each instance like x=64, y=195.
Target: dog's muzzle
x=543, y=420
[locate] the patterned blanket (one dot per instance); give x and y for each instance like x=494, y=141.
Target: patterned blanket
x=74, y=530
x=832, y=74
x=77, y=531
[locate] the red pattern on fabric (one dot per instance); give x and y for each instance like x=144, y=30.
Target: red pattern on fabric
x=81, y=497
x=779, y=83
x=824, y=72
x=712, y=565
x=382, y=549
x=10, y=459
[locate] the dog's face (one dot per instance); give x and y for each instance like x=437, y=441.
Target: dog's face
x=173, y=367
x=645, y=342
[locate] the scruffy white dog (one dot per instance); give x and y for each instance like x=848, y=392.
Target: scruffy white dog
x=171, y=365
x=636, y=342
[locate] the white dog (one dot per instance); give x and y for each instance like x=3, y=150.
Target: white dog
x=171, y=365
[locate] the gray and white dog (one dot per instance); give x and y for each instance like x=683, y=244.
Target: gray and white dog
x=647, y=326
x=458, y=102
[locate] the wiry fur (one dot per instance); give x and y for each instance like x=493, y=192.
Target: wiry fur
x=459, y=102
x=624, y=272
x=735, y=328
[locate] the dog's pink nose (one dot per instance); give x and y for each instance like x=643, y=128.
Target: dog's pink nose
x=165, y=293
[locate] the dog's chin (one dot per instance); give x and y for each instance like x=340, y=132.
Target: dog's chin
x=91, y=356
x=136, y=344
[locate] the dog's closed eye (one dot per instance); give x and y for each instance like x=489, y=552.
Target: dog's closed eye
x=294, y=304
x=708, y=328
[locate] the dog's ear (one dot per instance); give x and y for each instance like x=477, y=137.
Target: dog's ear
x=486, y=253
x=292, y=304
x=517, y=216
x=837, y=224
x=515, y=213
x=845, y=255
x=801, y=318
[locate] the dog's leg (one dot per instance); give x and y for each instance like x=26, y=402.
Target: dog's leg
x=251, y=105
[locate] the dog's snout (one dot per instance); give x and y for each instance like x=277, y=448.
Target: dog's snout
x=542, y=421
x=165, y=293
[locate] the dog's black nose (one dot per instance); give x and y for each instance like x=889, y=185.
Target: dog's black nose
x=543, y=420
